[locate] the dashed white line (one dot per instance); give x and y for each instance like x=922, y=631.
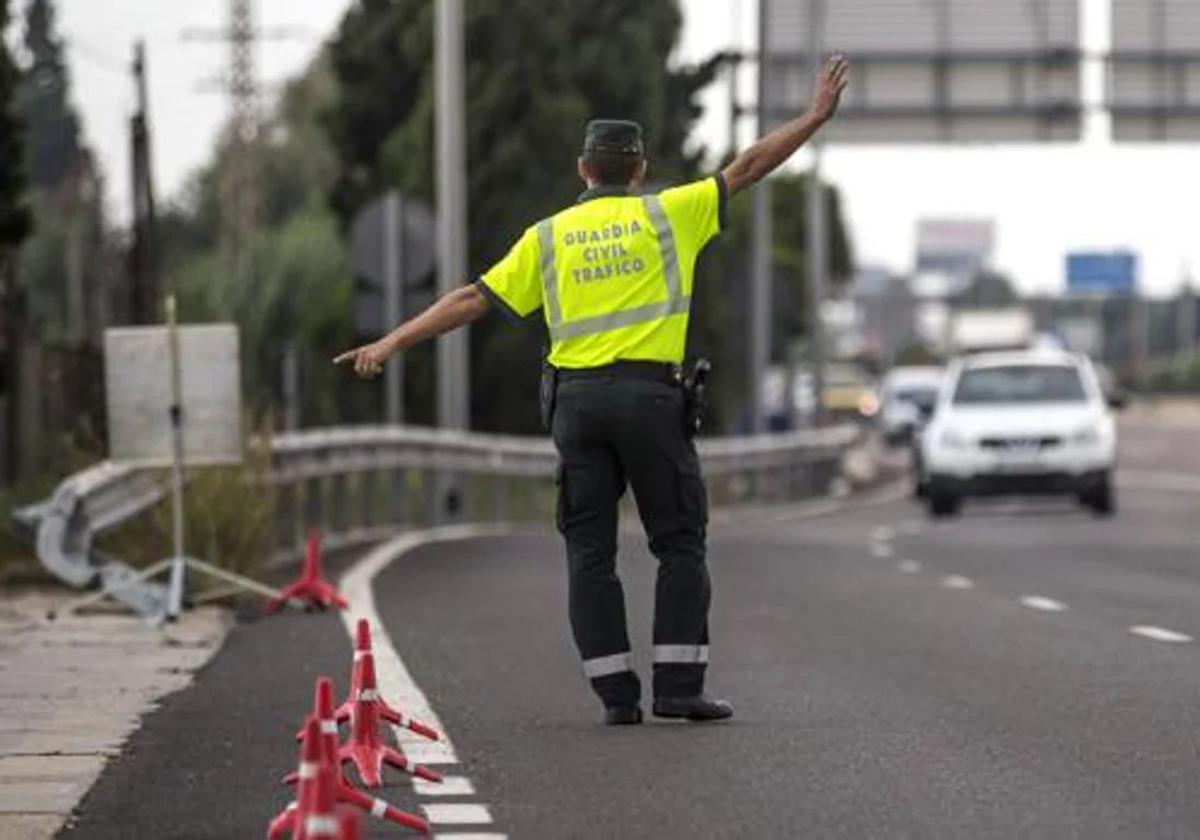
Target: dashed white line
x=1038, y=602
x=909, y=567
x=397, y=684
x=1159, y=634
x=882, y=550
x=957, y=582
x=448, y=786
x=457, y=813
x=881, y=533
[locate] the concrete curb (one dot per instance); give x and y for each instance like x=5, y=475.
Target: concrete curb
x=73, y=690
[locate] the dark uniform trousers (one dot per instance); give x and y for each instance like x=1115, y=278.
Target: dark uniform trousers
x=613, y=429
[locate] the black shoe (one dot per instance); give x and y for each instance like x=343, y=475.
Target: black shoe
x=623, y=715
x=698, y=708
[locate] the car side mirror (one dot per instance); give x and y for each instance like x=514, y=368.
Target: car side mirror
x=1117, y=400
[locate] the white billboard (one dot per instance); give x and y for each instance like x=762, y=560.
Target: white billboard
x=934, y=70
x=137, y=374
x=1154, y=78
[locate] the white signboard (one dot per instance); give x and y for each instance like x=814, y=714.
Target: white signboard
x=1154, y=83
x=137, y=374
x=934, y=70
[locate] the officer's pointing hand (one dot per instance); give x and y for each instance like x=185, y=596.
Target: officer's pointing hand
x=831, y=81
x=368, y=360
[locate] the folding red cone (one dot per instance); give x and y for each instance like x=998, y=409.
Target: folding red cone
x=311, y=587
x=311, y=755
x=350, y=826
x=320, y=822
x=345, y=792
x=362, y=652
x=365, y=747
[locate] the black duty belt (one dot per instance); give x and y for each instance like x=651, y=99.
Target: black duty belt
x=655, y=371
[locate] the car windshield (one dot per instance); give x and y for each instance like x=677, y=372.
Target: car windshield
x=1020, y=384
x=840, y=376
x=920, y=397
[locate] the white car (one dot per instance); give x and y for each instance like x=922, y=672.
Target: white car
x=909, y=395
x=1020, y=422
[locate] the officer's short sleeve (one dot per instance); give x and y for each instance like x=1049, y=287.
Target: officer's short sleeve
x=697, y=210
x=514, y=283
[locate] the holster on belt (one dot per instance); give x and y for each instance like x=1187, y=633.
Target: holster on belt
x=695, y=402
x=548, y=394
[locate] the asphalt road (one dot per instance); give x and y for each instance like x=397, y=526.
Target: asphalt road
x=1022, y=671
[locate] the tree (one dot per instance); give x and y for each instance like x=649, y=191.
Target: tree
x=536, y=72
x=53, y=126
x=14, y=215
x=720, y=321
x=14, y=227
x=301, y=292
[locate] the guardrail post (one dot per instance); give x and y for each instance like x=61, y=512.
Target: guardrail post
x=501, y=485
x=337, y=488
x=398, y=502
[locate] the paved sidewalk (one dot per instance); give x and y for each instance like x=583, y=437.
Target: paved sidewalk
x=72, y=691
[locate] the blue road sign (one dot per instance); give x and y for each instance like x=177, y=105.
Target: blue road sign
x=1102, y=273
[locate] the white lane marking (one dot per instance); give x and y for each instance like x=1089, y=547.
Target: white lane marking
x=457, y=813
x=882, y=550
x=396, y=684
x=449, y=786
x=1038, y=602
x=1159, y=634
x=957, y=582
x=881, y=533
x=909, y=567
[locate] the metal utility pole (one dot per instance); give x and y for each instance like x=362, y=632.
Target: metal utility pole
x=759, y=326
x=452, y=358
x=393, y=301
x=239, y=191
x=817, y=224
x=239, y=194
x=143, y=265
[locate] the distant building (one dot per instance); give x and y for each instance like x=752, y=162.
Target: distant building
x=886, y=309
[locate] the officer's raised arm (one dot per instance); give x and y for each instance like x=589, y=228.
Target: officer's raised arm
x=766, y=155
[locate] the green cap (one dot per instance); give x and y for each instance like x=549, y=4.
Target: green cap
x=613, y=137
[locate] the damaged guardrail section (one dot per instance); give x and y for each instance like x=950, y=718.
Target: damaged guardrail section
x=359, y=483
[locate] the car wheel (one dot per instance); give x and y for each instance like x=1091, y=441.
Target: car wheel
x=942, y=504
x=1103, y=499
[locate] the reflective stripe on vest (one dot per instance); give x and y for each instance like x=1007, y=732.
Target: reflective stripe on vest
x=675, y=304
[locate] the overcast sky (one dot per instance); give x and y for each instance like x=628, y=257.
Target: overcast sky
x=1045, y=200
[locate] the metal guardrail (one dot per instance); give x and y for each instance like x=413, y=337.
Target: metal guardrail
x=359, y=484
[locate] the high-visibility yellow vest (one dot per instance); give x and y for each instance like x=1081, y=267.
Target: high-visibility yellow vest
x=613, y=274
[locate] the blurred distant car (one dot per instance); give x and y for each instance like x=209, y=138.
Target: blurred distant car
x=850, y=392
x=1019, y=422
x=909, y=395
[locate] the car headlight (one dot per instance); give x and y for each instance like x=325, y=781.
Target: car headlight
x=868, y=405
x=953, y=440
x=1086, y=435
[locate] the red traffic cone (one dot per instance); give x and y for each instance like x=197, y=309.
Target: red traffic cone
x=362, y=652
x=345, y=792
x=311, y=587
x=365, y=747
x=350, y=826
x=320, y=822
x=311, y=754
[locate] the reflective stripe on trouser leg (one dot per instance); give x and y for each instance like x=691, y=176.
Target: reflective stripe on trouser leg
x=681, y=654
x=603, y=666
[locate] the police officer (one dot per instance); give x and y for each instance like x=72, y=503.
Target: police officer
x=613, y=277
